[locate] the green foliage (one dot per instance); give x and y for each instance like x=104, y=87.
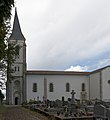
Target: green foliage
x=1, y=96
x=5, y=15
x=5, y=9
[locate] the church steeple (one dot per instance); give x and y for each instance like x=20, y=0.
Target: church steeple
x=16, y=32
x=16, y=89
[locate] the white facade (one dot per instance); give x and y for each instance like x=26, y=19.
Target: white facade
x=59, y=86
x=106, y=83
x=96, y=84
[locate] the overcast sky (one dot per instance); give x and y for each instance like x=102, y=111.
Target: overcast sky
x=66, y=34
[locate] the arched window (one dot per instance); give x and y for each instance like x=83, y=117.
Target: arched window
x=67, y=87
x=83, y=87
x=18, y=68
x=34, y=87
x=15, y=68
x=51, y=87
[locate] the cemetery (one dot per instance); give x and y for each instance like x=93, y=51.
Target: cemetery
x=72, y=109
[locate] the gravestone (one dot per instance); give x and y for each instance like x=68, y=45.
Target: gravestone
x=72, y=103
x=59, y=103
x=100, y=111
x=38, y=98
x=51, y=104
x=63, y=100
x=108, y=113
x=73, y=96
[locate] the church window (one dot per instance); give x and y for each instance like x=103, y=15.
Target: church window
x=18, y=68
x=83, y=86
x=17, y=49
x=67, y=87
x=15, y=68
x=34, y=87
x=51, y=87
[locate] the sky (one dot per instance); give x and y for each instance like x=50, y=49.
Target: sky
x=72, y=35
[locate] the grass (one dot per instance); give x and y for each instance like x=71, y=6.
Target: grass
x=40, y=116
x=2, y=111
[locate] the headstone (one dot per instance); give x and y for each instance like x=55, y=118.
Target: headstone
x=63, y=99
x=108, y=113
x=37, y=98
x=58, y=103
x=51, y=104
x=73, y=96
x=66, y=114
x=100, y=111
x=48, y=103
x=83, y=95
x=72, y=103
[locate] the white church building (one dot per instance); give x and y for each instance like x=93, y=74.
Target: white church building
x=41, y=85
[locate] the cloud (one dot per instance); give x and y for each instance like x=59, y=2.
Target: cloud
x=77, y=68
x=94, y=66
x=64, y=33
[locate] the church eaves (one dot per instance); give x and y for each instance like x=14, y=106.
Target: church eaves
x=16, y=32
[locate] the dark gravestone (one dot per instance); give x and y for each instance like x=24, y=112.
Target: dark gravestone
x=108, y=113
x=100, y=111
x=58, y=103
x=63, y=99
x=51, y=104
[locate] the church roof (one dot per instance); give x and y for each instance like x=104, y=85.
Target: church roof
x=16, y=32
x=100, y=69
x=41, y=72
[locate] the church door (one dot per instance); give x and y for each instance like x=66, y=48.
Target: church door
x=16, y=100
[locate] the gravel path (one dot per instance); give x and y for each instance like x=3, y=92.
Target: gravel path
x=19, y=113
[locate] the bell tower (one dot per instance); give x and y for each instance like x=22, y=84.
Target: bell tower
x=16, y=88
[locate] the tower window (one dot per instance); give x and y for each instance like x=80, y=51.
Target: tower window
x=15, y=68
x=18, y=68
x=51, y=87
x=34, y=87
x=17, y=49
x=67, y=87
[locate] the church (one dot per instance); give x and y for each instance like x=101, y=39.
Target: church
x=51, y=85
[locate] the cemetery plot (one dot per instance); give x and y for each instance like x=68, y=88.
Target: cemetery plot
x=62, y=109
x=72, y=109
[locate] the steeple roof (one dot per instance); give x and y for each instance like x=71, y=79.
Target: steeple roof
x=16, y=32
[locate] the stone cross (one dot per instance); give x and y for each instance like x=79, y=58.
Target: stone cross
x=73, y=93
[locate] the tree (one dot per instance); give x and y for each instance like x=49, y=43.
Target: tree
x=5, y=16
x=1, y=97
